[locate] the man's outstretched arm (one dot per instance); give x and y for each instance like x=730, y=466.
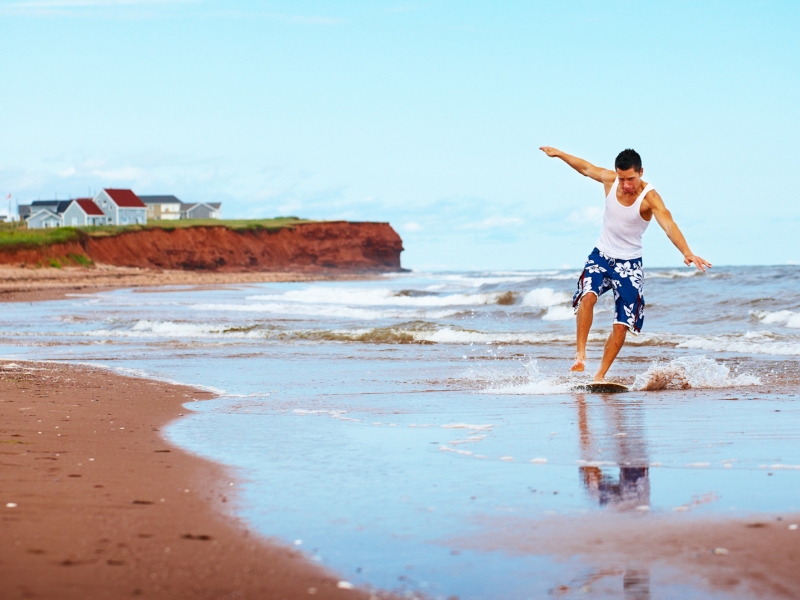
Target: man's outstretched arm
x=584, y=167
x=670, y=227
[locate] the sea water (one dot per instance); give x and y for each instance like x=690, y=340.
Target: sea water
x=380, y=425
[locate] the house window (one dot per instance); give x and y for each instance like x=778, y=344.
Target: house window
x=74, y=220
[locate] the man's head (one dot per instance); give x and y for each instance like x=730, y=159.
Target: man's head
x=629, y=170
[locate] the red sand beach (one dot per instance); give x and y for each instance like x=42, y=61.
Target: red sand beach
x=21, y=284
x=95, y=504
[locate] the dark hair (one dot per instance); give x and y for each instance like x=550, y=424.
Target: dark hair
x=628, y=159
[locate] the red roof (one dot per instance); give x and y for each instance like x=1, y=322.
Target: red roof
x=125, y=198
x=89, y=207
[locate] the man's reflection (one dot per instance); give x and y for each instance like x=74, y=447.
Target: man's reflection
x=622, y=444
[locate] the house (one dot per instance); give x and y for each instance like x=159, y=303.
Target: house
x=121, y=207
x=82, y=212
x=202, y=210
x=109, y=207
x=44, y=213
x=43, y=218
x=164, y=208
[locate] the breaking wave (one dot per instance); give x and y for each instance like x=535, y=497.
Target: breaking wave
x=496, y=278
x=378, y=297
x=152, y=329
x=325, y=310
x=421, y=331
x=545, y=298
x=781, y=317
x=673, y=274
x=557, y=304
x=751, y=342
x=695, y=372
x=450, y=335
x=428, y=333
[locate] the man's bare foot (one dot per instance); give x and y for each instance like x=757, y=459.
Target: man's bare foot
x=580, y=365
x=599, y=379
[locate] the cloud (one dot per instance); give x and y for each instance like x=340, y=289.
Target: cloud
x=72, y=179
x=212, y=8
x=64, y=8
x=226, y=12
x=44, y=4
x=591, y=215
x=402, y=9
x=122, y=173
x=99, y=170
x=412, y=227
x=494, y=223
x=308, y=19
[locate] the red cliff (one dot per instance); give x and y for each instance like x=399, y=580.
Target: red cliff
x=306, y=247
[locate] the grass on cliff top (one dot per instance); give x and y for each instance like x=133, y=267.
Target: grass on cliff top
x=236, y=224
x=17, y=234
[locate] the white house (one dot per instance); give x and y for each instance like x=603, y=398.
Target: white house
x=43, y=218
x=165, y=208
x=44, y=213
x=121, y=207
x=82, y=212
x=202, y=210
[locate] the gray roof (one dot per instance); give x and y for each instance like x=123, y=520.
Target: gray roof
x=42, y=211
x=185, y=206
x=160, y=200
x=56, y=206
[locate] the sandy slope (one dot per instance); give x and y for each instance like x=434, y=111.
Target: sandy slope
x=95, y=504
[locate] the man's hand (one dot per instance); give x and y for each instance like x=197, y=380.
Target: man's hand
x=550, y=151
x=583, y=167
x=698, y=262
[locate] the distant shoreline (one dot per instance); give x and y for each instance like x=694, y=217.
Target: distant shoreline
x=18, y=284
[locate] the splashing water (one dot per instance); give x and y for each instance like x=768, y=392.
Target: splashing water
x=690, y=372
x=532, y=381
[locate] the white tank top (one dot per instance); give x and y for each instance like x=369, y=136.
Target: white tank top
x=623, y=226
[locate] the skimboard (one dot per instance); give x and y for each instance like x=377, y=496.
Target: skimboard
x=603, y=387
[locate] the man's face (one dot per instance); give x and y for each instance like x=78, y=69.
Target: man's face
x=629, y=180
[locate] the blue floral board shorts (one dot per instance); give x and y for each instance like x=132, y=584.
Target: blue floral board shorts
x=625, y=277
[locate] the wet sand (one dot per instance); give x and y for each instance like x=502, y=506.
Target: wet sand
x=758, y=556
x=18, y=284
x=96, y=504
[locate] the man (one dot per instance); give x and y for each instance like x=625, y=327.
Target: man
x=616, y=263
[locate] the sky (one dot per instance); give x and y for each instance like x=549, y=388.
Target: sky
x=427, y=114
